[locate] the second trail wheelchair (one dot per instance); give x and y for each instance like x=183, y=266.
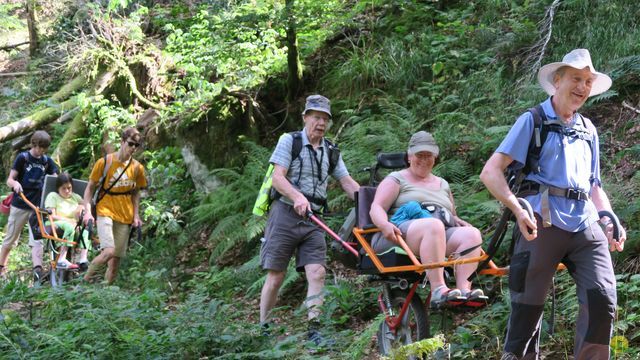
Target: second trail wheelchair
x=399, y=271
x=52, y=235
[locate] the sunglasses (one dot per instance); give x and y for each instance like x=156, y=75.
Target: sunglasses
x=133, y=144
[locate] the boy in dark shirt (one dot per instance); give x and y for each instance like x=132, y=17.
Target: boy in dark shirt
x=27, y=176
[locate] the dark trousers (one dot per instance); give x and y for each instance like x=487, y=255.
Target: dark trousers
x=533, y=266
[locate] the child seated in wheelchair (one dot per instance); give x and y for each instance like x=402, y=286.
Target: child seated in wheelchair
x=66, y=208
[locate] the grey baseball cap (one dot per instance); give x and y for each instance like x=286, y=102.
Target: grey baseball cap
x=317, y=103
x=423, y=141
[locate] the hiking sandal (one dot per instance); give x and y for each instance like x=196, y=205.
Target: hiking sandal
x=476, y=298
x=446, y=297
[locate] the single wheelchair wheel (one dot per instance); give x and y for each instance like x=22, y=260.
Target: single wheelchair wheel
x=413, y=327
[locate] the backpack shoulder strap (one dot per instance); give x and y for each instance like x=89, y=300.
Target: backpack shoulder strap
x=538, y=137
x=296, y=148
x=108, y=159
x=296, y=145
x=334, y=155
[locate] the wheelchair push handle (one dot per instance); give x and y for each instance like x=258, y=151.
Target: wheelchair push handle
x=324, y=227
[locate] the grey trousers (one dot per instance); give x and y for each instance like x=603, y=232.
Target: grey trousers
x=533, y=266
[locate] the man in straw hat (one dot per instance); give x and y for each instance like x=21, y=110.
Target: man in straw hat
x=564, y=188
x=301, y=183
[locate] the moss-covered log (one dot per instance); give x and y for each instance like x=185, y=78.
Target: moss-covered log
x=66, y=149
x=64, y=153
x=36, y=120
x=65, y=91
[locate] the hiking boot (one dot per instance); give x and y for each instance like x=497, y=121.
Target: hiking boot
x=38, y=274
x=318, y=340
x=265, y=329
x=509, y=356
x=83, y=266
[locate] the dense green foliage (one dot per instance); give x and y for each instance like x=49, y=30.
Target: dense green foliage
x=216, y=71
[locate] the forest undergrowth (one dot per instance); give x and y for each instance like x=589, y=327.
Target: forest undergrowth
x=217, y=72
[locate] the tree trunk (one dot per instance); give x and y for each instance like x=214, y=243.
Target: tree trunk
x=36, y=120
x=67, y=146
x=47, y=115
x=65, y=91
x=294, y=77
x=32, y=26
x=66, y=149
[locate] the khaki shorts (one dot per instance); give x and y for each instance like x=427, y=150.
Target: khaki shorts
x=18, y=218
x=287, y=234
x=113, y=234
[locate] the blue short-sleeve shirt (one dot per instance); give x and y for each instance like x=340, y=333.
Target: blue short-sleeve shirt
x=565, y=162
x=309, y=172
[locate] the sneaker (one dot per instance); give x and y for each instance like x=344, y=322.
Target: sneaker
x=66, y=265
x=443, y=296
x=84, y=266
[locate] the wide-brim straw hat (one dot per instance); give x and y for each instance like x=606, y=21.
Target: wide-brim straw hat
x=577, y=59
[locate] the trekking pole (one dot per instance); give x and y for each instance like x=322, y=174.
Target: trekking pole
x=324, y=227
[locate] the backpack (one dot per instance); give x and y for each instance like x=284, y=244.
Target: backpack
x=25, y=156
x=22, y=172
x=539, y=136
x=267, y=193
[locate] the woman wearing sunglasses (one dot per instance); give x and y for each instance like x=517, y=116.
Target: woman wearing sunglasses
x=118, y=177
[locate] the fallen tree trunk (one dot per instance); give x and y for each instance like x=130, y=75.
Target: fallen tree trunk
x=69, y=88
x=51, y=113
x=36, y=120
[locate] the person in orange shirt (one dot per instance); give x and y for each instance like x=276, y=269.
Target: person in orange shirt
x=120, y=178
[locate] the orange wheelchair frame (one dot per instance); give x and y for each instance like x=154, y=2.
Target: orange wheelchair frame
x=49, y=233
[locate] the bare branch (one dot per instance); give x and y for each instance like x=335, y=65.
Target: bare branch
x=625, y=104
x=10, y=47
x=537, y=51
x=20, y=73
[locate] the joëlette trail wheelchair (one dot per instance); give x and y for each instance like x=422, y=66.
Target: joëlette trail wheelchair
x=51, y=234
x=398, y=270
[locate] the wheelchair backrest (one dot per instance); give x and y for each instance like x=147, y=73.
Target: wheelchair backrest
x=387, y=161
x=50, y=186
x=396, y=160
x=364, y=198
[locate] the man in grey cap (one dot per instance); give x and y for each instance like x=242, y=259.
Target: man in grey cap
x=301, y=184
x=563, y=185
